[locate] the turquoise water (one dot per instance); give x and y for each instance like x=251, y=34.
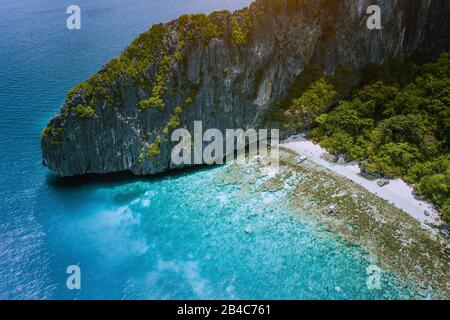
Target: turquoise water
x=175, y=237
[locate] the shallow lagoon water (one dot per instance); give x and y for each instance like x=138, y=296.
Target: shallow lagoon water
x=179, y=236
x=189, y=236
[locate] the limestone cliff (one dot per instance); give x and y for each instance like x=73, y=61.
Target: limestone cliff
x=227, y=70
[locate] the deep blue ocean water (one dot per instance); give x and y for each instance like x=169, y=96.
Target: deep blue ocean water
x=175, y=237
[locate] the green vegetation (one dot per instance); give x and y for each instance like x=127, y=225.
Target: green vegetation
x=199, y=26
x=303, y=110
x=52, y=130
x=238, y=36
x=178, y=109
x=309, y=84
x=151, y=151
x=397, y=124
x=146, y=50
x=131, y=63
x=154, y=149
x=156, y=100
x=54, y=133
x=248, y=21
x=190, y=99
x=47, y=131
x=173, y=123
x=84, y=112
x=187, y=27
x=446, y=210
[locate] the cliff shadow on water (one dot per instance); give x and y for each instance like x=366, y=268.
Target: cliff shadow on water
x=115, y=179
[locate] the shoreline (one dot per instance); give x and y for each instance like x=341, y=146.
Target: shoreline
x=396, y=192
x=388, y=238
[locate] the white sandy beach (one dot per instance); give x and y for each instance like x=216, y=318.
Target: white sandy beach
x=397, y=192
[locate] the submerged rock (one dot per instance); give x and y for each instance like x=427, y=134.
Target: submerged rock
x=341, y=160
x=332, y=208
x=382, y=183
x=248, y=230
x=301, y=159
x=329, y=157
x=370, y=174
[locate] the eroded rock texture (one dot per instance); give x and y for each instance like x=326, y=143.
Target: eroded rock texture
x=226, y=70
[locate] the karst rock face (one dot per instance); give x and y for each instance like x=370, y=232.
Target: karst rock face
x=226, y=70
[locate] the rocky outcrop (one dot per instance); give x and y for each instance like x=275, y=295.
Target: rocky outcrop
x=226, y=70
